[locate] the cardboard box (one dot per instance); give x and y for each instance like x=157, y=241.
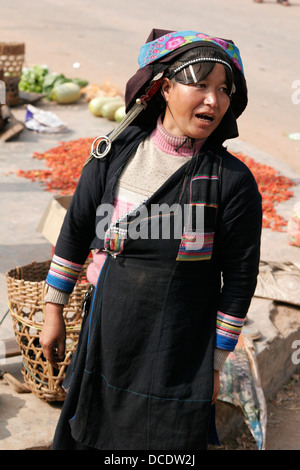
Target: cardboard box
x=53, y=217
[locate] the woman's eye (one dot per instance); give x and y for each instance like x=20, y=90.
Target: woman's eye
x=200, y=85
x=224, y=89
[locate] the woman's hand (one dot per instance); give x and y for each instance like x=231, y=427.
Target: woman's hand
x=216, y=386
x=53, y=335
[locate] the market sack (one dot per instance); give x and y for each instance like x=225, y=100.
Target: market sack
x=43, y=121
x=279, y=281
x=241, y=387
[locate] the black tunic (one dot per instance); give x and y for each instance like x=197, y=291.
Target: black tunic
x=142, y=375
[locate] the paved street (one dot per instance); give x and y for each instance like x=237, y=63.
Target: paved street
x=105, y=37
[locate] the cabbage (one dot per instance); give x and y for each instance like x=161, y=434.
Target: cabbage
x=32, y=79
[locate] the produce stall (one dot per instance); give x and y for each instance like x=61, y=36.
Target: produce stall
x=104, y=100
x=28, y=85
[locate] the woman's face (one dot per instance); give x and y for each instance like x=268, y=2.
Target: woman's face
x=196, y=110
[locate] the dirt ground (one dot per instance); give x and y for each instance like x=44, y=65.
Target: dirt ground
x=283, y=408
x=283, y=424
x=105, y=40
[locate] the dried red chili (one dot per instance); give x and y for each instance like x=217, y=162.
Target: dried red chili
x=273, y=187
x=65, y=163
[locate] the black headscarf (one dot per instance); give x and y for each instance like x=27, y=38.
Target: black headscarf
x=138, y=84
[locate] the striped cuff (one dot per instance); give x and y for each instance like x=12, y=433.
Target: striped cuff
x=228, y=331
x=63, y=274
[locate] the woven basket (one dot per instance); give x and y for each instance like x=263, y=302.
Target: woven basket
x=12, y=91
x=26, y=289
x=11, y=61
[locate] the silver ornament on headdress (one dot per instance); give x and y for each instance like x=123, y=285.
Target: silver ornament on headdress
x=190, y=64
x=200, y=59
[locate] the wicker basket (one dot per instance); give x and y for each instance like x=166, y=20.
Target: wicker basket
x=26, y=288
x=11, y=61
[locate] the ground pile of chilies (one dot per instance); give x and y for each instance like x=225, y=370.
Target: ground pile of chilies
x=65, y=163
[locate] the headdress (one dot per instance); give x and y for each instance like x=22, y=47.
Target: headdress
x=160, y=47
x=160, y=50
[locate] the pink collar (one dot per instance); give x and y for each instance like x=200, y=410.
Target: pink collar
x=172, y=144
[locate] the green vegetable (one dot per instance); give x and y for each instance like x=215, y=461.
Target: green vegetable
x=95, y=105
x=108, y=109
x=79, y=81
x=32, y=79
x=38, y=79
x=120, y=113
x=66, y=93
x=51, y=80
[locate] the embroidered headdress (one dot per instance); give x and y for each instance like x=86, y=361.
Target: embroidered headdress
x=164, y=45
x=163, y=48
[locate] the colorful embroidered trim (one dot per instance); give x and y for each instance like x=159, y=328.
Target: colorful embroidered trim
x=203, y=203
x=228, y=331
x=195, y=246
x=160, y=47
x=205, y=177
x=63, y=274
x=114, y=240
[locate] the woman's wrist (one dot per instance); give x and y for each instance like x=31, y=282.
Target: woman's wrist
x=54, y=309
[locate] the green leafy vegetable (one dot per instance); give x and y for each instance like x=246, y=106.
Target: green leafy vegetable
x=39, y=79
x=32, y=79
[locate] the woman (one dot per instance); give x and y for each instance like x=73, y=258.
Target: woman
x=175, y=268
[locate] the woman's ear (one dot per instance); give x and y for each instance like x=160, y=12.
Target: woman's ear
x=166, y=86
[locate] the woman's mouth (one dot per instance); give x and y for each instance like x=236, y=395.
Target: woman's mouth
x=207, y=118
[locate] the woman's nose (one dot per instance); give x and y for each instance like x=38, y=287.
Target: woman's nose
x=211, y=98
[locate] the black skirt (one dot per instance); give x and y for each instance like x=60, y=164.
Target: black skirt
x=142, y=374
